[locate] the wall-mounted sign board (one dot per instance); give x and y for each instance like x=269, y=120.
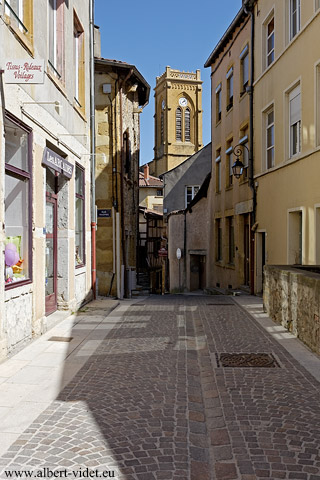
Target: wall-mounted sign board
x=24, y=71
x=104, y=213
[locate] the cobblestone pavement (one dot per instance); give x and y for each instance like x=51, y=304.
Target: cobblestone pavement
x=155, y=401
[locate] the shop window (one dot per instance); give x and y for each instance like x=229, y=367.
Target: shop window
x=79, y=63
x=80, y=217
x=56, y=37
x=18, y=219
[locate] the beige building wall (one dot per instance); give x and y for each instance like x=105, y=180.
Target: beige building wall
x=230, y=200
x=148, y=198
x=288, y=195
x=175, y=89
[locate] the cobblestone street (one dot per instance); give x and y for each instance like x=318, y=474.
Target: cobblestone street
x=157, y=398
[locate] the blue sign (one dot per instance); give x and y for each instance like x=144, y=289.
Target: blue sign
x=104, y=213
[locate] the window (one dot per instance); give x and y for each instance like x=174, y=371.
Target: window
x=244, y=142
x=231, y=248
x=218, y=171
x=218, y=103
x=56, y=33
x=78, y=44
x=230, y=89
x=269, y=115
x=187, y=125
x=218, y=240
x=190, y=192
x=295, y=121
x=244, y=58
x=179, y=124
x=159, y=193
x=270, y=42
x=15, y=10
x=317, y=4
x=295, y=237
x=127, y=154
x=294, y=18
x=18, y=210
x=229, y=163
x=80, y=217
x=162, y=127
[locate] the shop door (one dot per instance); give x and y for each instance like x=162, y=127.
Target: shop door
x=51, y=253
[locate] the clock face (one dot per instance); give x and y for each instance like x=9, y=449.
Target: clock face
x=163, y=104
x=183, y=102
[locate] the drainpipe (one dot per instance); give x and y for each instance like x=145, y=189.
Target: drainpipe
x=93, y=148
x=249, y=8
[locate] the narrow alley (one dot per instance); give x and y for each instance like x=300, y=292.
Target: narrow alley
x=149, y=391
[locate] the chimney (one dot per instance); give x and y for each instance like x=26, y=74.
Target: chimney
x=97, y=42
x=146, y=171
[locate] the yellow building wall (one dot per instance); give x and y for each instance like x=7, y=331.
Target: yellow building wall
x=292, y=184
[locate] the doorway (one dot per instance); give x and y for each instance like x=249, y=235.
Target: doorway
x=197, y=272
x=261, y=260
x=246, y=250
x=51, y=277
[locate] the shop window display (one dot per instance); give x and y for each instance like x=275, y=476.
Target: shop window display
x=17, y=251
x=79, y=210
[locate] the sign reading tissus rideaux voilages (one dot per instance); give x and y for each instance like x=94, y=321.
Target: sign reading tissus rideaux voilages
x=53, y=160
x=24, y=71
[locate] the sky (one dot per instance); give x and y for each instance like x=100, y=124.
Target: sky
x=152, y=35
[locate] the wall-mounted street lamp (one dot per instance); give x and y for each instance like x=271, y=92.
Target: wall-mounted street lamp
x=237, y=167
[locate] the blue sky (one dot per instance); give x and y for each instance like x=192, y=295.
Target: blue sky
x=181, y=36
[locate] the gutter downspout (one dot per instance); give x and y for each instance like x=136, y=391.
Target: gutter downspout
x=93, y=148
x=249, y=8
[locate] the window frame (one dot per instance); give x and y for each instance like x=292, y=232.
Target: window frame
x=178, y=134
x=268, y=37
x=229, y=163
x=25, y=176
x=231, y=244
x=193, y=193
x=19, y=17
x=219, y=238
x=244, y=67
x=82, y=197
x=79, y=63
x=218, y=102
x=291, y=96
x=294, y=26
x=56, y=64
x=269, y=126
x=244, y=142
x=187, y=124
x=230, y=88
x=218, y=172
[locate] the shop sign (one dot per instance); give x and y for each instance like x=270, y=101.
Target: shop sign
x=24, y=71
x=163, y=252
x=59, y=164
x=104, y=213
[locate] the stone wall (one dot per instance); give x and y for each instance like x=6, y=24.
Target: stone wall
x=292, y=299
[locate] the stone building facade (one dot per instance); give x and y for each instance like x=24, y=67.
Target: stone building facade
x=121, y=92
x=44, y=166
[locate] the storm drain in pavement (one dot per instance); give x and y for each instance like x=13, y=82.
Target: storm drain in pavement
x=60, y=339
x=234, y=360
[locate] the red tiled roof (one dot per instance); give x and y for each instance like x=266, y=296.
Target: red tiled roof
x=150, y=182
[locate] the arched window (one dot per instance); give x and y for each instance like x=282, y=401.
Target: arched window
x=162, y=128
x=178, y=124
x=187, y=125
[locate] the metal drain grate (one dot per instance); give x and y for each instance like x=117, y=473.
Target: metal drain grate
x=60, y=339
x=236, y=360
